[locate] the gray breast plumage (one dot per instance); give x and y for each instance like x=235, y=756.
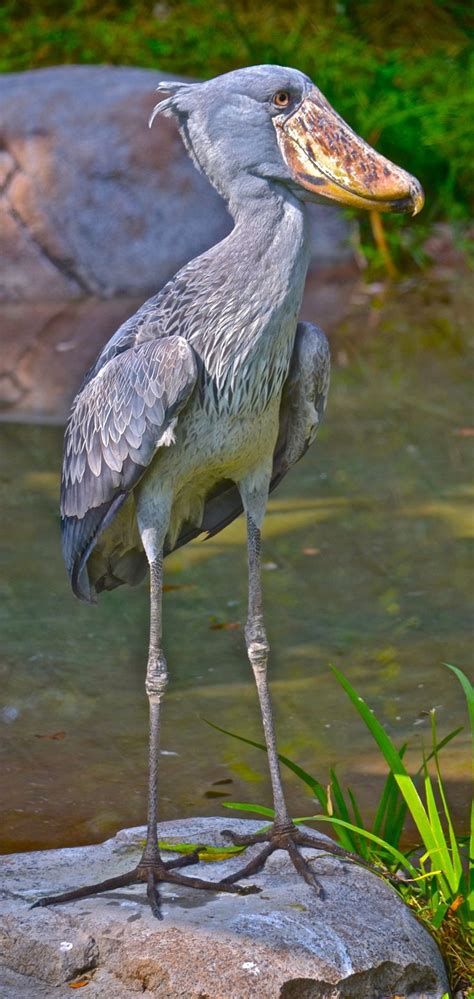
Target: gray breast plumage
x=204, y=363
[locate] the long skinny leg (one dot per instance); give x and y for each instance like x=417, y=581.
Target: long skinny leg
x=155, y=686
x=283, y=834
x=283, y=830
x=257, y=650
x=151, y=869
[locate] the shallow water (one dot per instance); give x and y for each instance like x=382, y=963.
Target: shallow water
x=366, y=567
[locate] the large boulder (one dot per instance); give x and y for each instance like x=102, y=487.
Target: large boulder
x=94, y=202
x=361, y=942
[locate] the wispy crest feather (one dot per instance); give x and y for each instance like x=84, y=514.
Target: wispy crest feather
x=168, y=107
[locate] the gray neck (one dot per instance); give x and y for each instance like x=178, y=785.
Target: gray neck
x=262, y=264
x=239, y=301
x=246, y=341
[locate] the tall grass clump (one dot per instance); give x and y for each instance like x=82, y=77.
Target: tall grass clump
x=436, y=876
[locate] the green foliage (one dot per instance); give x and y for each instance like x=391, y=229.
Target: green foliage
x=438, y=878
x=402, y=74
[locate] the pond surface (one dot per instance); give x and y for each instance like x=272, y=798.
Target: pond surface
x=366, y=567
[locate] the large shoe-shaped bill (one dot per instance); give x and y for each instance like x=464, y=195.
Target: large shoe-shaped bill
x=326, y=157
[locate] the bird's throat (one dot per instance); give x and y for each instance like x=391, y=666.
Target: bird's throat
x=259, y=272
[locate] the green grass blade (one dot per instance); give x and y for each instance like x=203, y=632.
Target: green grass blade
x=417, y=809
x=468, y=691
x=470, y=893
x=243, y=806
x=396, y=810
x=394, y=826
x=388, y=802
x=443, y=742
x=397, y=854
x=439, y=915
x=387, y=816
x=355, y=808
x=361, y=846
x=383, y=741
x=316, y=787
x=454, y=846
x=345, y=838
x=442, y=857
x=338, y=796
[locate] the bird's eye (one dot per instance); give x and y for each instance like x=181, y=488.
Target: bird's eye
x=281, y=99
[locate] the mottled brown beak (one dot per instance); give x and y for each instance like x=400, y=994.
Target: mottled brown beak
x=326, y=157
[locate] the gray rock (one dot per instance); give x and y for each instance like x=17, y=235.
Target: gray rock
x=360, y=943
x=94, y=202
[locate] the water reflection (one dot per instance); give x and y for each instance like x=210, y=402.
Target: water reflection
x=366, y=567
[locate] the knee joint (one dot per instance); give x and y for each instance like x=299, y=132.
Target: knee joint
x=156, y=675
x=257, y=651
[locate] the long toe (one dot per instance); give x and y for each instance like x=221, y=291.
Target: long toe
x=301, y=865
x=253, y=867
x=261, y=837
x=85, y=892
x=180, y=879
x=153, y=895
x=186, y=861
x=327, y=846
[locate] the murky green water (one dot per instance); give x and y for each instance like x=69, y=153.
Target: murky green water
x=367, y=565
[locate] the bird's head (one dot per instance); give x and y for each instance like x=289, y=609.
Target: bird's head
x=272, y=123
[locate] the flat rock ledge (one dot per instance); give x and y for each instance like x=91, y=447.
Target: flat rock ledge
x=360, y=943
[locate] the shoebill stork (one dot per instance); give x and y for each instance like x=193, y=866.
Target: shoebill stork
x=204, y=399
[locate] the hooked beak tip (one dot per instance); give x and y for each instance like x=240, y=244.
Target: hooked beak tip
x=418, y=200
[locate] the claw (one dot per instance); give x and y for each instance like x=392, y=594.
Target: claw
x=153, y=896
x=303, y=868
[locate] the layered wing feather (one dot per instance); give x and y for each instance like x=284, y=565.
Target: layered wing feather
x=119, y=419
x=303, y=399
x=302, y=408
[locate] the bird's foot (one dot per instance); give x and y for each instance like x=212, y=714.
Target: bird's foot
x=290, y=838
x=150, y=873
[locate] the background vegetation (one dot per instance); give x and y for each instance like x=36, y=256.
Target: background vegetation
x=402, y=74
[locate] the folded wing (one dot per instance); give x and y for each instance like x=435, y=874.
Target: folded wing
x=120, y=418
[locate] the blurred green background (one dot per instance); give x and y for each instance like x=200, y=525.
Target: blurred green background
x=401, y=74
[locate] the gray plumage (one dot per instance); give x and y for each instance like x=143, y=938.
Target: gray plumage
x=201, y=402
x=215, y=347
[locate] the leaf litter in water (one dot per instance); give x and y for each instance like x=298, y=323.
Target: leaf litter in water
x=224, y=625
x=54, y=735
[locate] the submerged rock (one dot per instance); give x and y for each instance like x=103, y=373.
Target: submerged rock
x=362, y=942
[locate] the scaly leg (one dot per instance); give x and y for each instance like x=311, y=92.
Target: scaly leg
x=151, y=869
x=283, y=835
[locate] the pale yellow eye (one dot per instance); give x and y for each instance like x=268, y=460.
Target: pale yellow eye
x=281, y=99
